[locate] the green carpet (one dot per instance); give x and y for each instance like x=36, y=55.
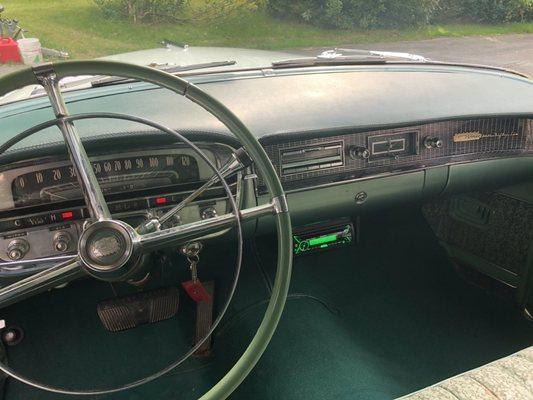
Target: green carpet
x=374, y=321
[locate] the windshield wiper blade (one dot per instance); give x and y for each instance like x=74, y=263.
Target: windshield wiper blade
x=173, y=69
x=340, y=56
x=182, y=68
x=317, y=61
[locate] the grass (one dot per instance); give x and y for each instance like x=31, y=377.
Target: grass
x=78, y=27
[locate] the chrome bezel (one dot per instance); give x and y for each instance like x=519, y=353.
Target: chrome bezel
x=126, y=232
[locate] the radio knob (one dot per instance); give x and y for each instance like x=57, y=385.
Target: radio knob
x=62, y=241
x=17, y=249
x=432, y=142
x=359, y=152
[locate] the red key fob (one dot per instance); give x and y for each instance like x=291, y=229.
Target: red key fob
x=196, y=291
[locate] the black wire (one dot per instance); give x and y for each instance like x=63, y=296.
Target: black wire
x=259, y=264
x=113, y=289
x=239, y=315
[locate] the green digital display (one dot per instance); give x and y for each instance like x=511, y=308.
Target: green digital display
x=322, y=240
x=307, y=242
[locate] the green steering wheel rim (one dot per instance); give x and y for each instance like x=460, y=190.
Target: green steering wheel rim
x=268, y=325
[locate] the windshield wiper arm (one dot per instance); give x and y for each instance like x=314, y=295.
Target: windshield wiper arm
x=318, y=61
x=339, y=56
x=174, y=69
x=181, y=68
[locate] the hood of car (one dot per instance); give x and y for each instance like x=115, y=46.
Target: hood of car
x=170, y=56
x=186, y=55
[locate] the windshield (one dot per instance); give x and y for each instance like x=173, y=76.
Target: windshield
x=193, y=36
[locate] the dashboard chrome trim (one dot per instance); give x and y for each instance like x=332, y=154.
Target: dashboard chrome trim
x=502, y=137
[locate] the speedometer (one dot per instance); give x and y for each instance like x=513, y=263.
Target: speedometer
x=115, y=175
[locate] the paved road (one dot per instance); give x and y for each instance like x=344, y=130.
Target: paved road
x=510, y=51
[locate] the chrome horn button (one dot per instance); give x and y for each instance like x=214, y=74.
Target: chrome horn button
x=106, y=249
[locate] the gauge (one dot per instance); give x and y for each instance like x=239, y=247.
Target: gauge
x=115, y=175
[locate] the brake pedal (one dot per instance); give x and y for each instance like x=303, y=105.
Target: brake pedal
x=128, y=312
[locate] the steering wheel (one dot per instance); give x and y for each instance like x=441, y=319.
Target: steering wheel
x=130, y=243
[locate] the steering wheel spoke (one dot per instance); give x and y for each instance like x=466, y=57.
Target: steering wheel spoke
x=82, y=165
x=196, y=230
x=57, y=275
x=37, y=261
x=238, y=161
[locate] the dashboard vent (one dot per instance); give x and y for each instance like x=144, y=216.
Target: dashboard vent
x=312, y=158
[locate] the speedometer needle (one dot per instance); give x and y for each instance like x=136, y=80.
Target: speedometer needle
x=51, y=195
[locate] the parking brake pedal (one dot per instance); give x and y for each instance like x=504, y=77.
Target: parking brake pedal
x=141, y=308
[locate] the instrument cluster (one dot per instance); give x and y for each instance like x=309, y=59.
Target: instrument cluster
x=56, y=182
x=42, y=211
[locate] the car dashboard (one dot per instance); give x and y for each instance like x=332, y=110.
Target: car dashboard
x=42, y=210
x=404, y=135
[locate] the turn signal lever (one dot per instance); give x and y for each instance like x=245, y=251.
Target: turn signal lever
x=238, y=161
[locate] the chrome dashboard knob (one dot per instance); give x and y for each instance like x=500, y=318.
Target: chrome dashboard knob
x=359, y=152
x=432, y=142
x=62, y=241
x=17, y=249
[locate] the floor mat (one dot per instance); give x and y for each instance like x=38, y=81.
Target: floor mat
x=374, y=321
x=399, y=319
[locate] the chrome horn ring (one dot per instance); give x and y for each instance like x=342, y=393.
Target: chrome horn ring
x=109, y=250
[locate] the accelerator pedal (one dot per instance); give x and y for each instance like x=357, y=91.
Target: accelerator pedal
x=128, y=312
x=204, y=320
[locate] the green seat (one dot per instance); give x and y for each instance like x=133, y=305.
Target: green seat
x=509, y=378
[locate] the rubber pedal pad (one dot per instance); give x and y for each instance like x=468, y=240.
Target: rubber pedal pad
x=119, y=314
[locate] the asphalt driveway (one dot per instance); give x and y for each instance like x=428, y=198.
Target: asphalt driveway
x=509, y=51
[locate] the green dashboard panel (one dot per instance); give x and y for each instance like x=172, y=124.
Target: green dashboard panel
x=491, y=174
x=360, y=196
